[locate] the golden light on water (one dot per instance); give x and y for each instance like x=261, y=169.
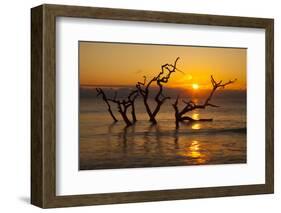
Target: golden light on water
x=195, y=149
x=194, y=153
x=195, y=116
x=196, y=126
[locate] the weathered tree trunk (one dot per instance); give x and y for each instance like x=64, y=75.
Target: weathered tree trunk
x=160, y=79
x=123, y=106
x=123, y=113
x=131, y=98
x=133, y=112
x=145, y=101
x=177, y=117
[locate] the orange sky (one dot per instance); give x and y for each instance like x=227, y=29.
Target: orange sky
x=124, y=64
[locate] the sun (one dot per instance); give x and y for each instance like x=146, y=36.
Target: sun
x=195, y=86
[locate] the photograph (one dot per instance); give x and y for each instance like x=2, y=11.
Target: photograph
x=140, y=105
x=161, y=105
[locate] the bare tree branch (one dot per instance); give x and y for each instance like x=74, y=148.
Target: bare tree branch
x=132, y=97
x=124, y=104
x=101, y=93
x=160, y=98
x=190, y=105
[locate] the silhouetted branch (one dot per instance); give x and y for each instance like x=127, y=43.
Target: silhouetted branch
x=190, y=105
x=160, y=98
x=132, y=97
x=175, y=105
x=124, y=104
x=101, y=93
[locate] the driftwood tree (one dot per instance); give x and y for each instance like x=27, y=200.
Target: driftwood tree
x=191, y=105
x=161, y=79
x=131, y=98
x=101, y=93
x=124, y=104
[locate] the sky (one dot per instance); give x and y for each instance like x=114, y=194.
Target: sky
x=123, y=64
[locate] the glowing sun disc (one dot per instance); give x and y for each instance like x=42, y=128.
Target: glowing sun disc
x=195, y=86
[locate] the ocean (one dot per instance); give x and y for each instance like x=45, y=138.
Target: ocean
x=107, y=145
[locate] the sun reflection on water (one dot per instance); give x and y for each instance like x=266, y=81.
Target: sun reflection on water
x=196, y=126
x=194, y=153
x=194, y=149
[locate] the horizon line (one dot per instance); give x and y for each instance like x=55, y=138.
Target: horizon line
x=153, y=86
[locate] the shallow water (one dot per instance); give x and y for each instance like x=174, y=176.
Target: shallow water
x=107, y=145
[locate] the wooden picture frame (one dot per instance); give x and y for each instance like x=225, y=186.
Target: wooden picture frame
x=43, y=105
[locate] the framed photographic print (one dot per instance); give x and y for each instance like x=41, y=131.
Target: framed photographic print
x=137, y=106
